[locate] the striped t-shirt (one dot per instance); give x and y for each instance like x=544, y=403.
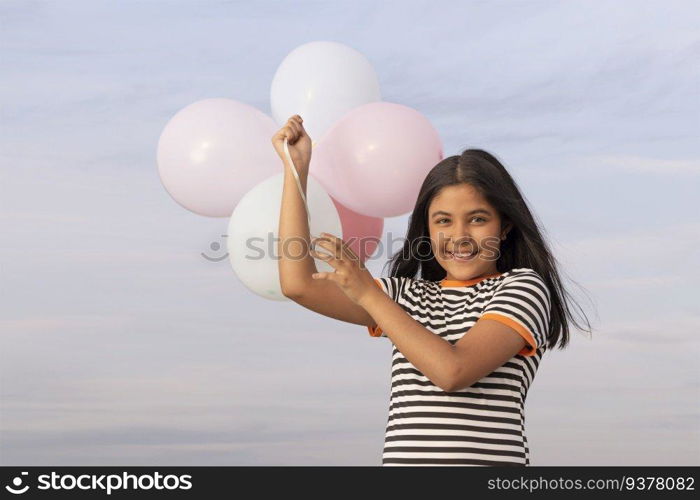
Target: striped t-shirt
x=483, y=424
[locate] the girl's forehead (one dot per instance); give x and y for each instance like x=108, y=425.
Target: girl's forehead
x=461, y=195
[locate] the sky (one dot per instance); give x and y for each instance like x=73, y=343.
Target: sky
x=121, y=344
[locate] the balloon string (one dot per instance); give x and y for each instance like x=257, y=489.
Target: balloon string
x=296, y=177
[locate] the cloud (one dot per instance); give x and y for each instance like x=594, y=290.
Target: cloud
x=637, y=249
x=650, y=329
x=14, y=328
x=656, y=281
x=646, y=165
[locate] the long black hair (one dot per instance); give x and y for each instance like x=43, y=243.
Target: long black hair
x=524, y=245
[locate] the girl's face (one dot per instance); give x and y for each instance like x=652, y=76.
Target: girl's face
x=465, y=232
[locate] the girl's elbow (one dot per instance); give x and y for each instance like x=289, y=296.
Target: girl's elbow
x=457, y=380
x=448, y=383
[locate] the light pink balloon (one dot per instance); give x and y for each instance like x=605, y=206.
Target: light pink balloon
x=361, y=232
x=375, y=158
x=212, y=152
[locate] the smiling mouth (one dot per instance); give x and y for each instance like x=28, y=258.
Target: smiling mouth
x=461, y=257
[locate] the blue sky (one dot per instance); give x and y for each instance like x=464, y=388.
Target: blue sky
x=121, y=344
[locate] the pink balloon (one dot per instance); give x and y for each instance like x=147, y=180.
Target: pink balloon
x=212, y=152
x=362, y=233
x=375, y=158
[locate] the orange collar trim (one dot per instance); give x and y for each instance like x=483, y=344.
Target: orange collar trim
x=446, y=283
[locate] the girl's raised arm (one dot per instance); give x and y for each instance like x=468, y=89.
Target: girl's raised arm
x=296, y=265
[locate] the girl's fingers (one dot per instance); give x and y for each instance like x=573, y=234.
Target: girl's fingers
x=293, y=122
x=297, y=128
x=335, y=264
x=327, y=245
x=288, y=134
x=332, y=261
x=323, y=276
x=300, y=127
x=320, y=255
x=341, y=247
x=333, y=239
x=346, y=249
x=297, y=122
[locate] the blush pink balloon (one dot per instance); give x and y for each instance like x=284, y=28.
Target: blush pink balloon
x=361, y=232
x=213, y=151
x=375, y=158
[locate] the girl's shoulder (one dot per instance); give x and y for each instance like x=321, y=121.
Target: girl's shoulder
x=524, y=278
x=522, y=272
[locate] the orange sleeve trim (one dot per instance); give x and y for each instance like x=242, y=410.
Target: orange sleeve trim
x=528, y=350
x=376, y=331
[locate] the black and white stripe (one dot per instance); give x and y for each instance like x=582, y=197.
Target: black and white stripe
x=483, y=424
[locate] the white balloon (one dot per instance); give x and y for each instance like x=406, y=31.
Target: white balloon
x=321, y=81
x=253, y=233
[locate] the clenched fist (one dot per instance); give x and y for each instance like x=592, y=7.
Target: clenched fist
x=298, y=142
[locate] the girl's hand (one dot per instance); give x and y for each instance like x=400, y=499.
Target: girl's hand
x=350, y=275
x=298, y=143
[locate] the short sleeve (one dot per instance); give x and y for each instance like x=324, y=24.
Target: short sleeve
x=523, y=302
x=392, y=287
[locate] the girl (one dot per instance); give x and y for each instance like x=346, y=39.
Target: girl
x=469, y=334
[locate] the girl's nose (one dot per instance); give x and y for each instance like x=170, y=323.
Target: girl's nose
x=461, y=234
x=462, y=241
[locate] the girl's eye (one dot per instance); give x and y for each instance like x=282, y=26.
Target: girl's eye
x=481, y=218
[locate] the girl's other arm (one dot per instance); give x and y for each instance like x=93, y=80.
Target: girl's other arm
x=488, y=345
x=430, y=353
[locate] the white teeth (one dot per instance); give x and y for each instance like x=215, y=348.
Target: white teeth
x=462, y=255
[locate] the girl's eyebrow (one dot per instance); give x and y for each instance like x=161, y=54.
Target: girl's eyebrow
x=475, y=211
